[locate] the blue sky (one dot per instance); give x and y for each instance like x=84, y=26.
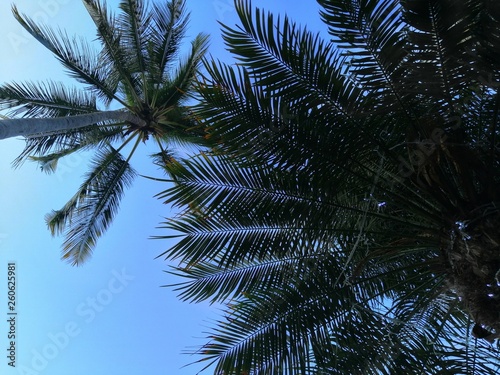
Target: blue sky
x=109, y=316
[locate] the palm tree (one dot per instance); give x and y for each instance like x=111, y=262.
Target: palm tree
x=348, y=220
x=137, y=72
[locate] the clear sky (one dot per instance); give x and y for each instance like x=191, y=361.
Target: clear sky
x=110, y=316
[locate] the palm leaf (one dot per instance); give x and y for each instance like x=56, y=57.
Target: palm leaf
x=45, y=99
x=79, y=142
x=285, y=53
x=182, y=79
x=169, y=25
x=76, y=55
x=134, y=23
x=90, y=211
x=373, y=36
x=53, y=146
x=113, y=53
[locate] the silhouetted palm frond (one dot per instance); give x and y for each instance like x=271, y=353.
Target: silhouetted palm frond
x=345, y=221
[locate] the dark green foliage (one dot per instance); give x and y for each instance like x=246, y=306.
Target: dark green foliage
x=345, y=220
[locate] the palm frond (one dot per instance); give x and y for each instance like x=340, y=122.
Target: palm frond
x=436, y=67
x=230, y=215
x=65, y=145
x=210, y=280
x=371, y=35
x=113, y=53
x=76, y=55
x=249, y=121
x=182, y=78
x=88, y=214
x=134, y=23
x=57, y=145
x=308, y=69
x=259, y=325
x=45, y=99
x=170, y=21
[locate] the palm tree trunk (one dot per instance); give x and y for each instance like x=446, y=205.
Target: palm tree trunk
x=41, y=126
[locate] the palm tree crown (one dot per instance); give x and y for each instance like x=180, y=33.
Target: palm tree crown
x=348, y=219
x=137, y=70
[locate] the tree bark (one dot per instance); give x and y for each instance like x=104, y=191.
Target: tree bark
x=27, y=127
